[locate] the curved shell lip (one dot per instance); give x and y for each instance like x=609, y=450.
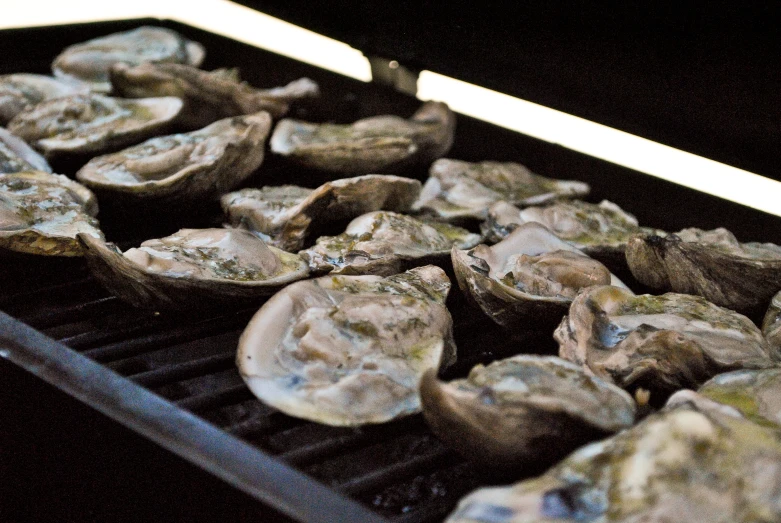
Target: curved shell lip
x=182, y=179
x=24, y=152
x=146, y=289
x=48, y=86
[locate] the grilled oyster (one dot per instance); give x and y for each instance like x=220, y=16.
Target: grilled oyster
x=383, y=242
x=41, y=213
x=457, y=190
x=712, y=264
x=599, y=230
x=660, y=343
x=282, y=215
x=182, y=168
x=507, y=414
x=529, y=277
x=755, y=393
x=17, y=156
x=377, y=144
x=208, y=96
x=193, y=268
x=349, y=350
x=22, y=91
x=686, y=463
x=771, y=325
x=91, y=61
x=93, y=123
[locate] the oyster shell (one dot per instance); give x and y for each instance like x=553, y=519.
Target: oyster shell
x=377, y=144
x=660, y=343
x=16, y=156
x=755, y=393
x=529, y=277
x=282, y=215
x=92, y=60
x=22, y=91
x=349, y=350
x=93, y=123
x=193, y=268
x=383, y=242
x=599, y=230
x=457, y=190
x=183, y=168
x=712, y=264
x=506, y=414
x=687, y=463
x=41, y=213
x=771, y=324
x=208, y=95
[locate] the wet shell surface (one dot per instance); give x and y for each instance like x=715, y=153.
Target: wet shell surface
x=457, y=190
x=22, y=91
x=659, y=343
x=208, y=95
x=529, y=279
x=16, y=156
x=382, y=144
x=712, y=264
x=349, y=350
x=689, y=462
x=282, y=215
x=41, y=213
x=771, y=323
x=91, y=61
x=509, y=413
x=183, y=168
x=383, y=242
x=193, y=268
x=755, y=393
x=93, y=123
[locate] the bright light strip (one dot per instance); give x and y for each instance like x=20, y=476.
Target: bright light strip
x=603, y=142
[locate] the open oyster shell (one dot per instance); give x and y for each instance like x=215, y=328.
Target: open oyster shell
x=193, y=268
x=349, y=350
x=599, y=230
x=92, y=60
x=660, y=343
x=283, y=215
x=385, y=242
x=507, y=414
x=93, y=123
x=16, y=156
x=208, y=95
x=771, y=324
x=41, y=213
x=530, y=277
x=377, y=144
x=182, y=168
x=22, y=91
x=686, y=463
x=457, y=190
x=755, y=393
x=712, y=264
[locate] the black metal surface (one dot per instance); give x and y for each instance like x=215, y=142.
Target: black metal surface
x=170, y=377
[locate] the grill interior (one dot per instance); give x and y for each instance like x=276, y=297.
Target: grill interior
x=399, y=470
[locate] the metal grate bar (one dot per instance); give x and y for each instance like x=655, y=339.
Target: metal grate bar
x=182, y=371
x=213, y=400
x=8, y=302
x=72, y=313
x=274, y=422
x=124, y=327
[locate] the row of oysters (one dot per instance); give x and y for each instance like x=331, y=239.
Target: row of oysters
x=351, y=348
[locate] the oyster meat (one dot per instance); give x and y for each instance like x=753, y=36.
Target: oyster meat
x=208, y=95
x=193, y=268
x=659, y=343
x=41, y=213
x=529, y=278
x=377, y=144
x=755, y=393
x=183, y=168
x=16, y=156
x=384, y=242
x=349, y=350
x=283, y=215
x=92, y=60
x=457, y=190
x=22, y=91
x=689, y=462
x=93, y=123
x=712, y=264
x=524, y=412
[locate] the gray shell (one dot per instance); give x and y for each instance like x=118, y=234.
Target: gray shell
x=16, y=156
x=755, y=393
x=22, y=91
